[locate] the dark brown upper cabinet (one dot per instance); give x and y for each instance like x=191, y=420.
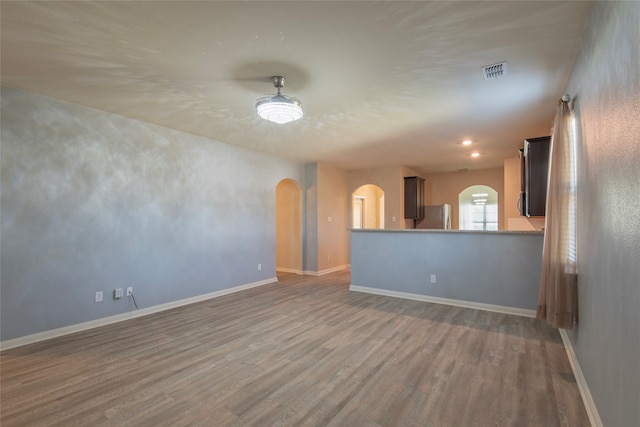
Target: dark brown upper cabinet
x=414, y=198
x=535, y=167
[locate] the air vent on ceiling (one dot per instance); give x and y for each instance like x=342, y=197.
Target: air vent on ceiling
x=492, y=72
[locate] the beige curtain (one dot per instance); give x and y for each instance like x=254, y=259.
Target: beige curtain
x=557, y=299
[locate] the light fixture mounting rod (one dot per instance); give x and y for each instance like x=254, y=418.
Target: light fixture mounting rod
x=278, y=82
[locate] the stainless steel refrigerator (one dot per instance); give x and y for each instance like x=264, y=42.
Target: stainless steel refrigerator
x=436, y=217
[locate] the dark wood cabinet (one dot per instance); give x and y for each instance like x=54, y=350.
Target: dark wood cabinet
x=413, y=198
x=535, y=165
x=522, y=202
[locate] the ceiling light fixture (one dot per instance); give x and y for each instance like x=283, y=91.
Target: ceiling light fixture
x=475, y=154
x=466, y=142
x=279, y=108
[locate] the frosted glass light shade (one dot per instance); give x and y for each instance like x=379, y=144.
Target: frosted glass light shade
x=279, y=108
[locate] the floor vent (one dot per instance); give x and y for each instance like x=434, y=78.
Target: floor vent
x=492, y=72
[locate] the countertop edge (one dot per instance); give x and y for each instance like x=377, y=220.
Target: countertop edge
x=428, y=231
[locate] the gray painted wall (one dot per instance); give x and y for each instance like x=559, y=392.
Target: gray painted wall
x=310, y=240
x=489, y=268
x=93, y=201
x=606, y=82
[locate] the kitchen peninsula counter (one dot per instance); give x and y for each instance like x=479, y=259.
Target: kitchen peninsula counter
x=490, y=270
x=422, y=230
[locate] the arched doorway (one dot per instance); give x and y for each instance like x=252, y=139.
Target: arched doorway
x=368, y=207
x=288, y=227
x=478, y=208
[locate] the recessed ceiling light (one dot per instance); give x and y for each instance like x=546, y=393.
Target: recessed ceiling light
x=475, y=154
x=480, y=200
x=466, y=142
x=480, y=195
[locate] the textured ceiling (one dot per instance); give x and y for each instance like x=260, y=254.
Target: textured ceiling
x=382, y=83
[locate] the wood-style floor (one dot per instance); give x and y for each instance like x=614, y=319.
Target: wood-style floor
x=301, y=352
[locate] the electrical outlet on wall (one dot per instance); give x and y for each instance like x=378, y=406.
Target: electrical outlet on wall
x=130, y=291
x=433, y=278
x=99, y=296
x=118, y=293
x=259, y=267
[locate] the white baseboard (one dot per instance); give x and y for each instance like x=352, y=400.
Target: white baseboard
x=327, y=271
x=289, y=270
x=66, y=330
x=446, y=301
x=589, y=404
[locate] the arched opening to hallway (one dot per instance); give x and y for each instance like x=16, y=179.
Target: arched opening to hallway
x=288, y=227
x=368, y=207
